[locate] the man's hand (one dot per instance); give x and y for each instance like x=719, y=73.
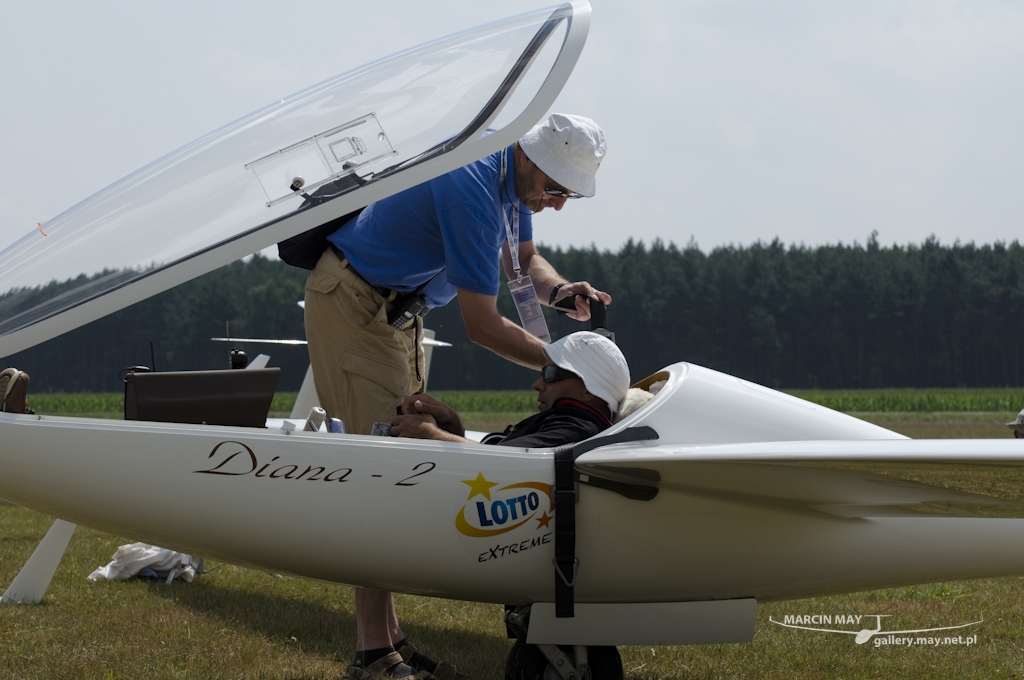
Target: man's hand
x=423, y=425
x=416, y=426
x=583, y=290
x=545, y=278
x=442, y=415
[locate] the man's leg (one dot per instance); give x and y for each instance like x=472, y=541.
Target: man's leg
x=394, y=630
x=344, y=319
x=375, y=619
x=376, y=608
x=377, y=626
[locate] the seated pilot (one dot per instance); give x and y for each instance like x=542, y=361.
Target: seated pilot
x=578, y=395
x=1017, y=426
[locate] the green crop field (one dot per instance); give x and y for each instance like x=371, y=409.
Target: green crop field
x=112, y=403
x=1002, y=400
x=917, y=401
x=98, y=405
x=915, y=413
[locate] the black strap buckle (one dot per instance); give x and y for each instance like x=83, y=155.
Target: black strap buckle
x=561, y=574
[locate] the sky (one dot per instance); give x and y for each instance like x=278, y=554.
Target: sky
x=727, y=122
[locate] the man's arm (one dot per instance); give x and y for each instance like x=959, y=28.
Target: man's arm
x=486, y=327
x=545, y=278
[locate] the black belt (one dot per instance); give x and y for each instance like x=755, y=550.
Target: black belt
x=381, y=290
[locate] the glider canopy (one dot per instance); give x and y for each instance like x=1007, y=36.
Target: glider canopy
x=359, y=136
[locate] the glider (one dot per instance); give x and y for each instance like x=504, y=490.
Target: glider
x=665, y=529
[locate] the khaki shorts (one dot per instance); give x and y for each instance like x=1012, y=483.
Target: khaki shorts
x=363, y=368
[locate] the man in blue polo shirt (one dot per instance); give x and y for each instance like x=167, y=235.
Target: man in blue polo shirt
x=447, y=236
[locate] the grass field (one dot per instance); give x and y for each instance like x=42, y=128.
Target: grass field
x=240, y=623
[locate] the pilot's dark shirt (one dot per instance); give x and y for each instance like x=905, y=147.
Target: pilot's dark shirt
x=567, y=421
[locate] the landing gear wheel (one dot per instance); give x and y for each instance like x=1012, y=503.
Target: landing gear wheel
x=526, y=662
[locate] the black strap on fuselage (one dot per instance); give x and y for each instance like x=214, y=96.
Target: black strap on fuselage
x=566, y=563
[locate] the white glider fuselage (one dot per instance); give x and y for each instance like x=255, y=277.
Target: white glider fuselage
x=767, y=508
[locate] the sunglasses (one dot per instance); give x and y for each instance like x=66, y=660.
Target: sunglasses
x=551, y=374
x=563, y=194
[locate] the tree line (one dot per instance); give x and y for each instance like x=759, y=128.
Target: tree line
x=828, y=317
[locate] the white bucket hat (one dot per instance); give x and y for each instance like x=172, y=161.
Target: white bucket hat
x=597, y=360
x=1018, y=424
x=568, y=149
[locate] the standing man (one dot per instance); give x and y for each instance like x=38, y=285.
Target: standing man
x=442, y=239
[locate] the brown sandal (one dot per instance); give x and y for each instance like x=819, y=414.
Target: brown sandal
x=390, y=666
x=421, y=662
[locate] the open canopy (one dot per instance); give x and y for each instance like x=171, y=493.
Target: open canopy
x=364, y=134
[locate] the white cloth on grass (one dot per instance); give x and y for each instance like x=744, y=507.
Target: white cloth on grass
x=130, y=559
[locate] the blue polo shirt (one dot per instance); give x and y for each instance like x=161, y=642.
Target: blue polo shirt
x=452, y=221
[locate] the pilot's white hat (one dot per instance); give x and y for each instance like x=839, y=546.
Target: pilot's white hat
x=568, y=149
x=1018, y=424
x=597, y=360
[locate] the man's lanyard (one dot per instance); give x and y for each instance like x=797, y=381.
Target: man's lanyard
x=511, y=231
x=523, y=292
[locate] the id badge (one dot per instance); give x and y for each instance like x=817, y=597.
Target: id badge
x=530, y=314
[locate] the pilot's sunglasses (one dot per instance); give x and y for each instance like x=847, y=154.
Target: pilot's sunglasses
x=563, y=194
x=552, y=373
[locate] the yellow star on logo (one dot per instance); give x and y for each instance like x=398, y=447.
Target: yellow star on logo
x=479, y=486
x=543, y=520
